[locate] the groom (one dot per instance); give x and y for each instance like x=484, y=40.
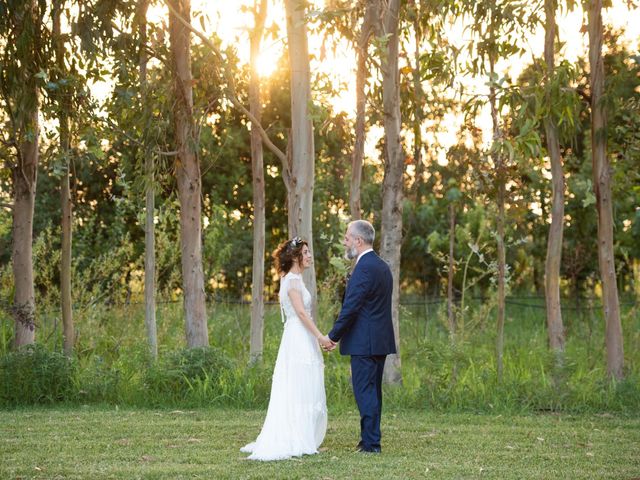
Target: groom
x=364, y=328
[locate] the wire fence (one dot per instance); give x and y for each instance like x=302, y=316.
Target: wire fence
x=525, y=301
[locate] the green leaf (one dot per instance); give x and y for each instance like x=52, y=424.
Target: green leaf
x=589, y=198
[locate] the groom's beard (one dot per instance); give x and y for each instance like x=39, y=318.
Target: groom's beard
x=351, y=253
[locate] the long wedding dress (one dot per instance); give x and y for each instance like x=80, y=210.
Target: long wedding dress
x=296, y=420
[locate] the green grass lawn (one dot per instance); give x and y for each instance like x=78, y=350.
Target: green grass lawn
x=95, y=443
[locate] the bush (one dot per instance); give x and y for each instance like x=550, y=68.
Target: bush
x=35, y=375
x=98, y=381
x=191, y=375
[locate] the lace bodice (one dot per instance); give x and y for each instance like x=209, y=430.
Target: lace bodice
x=293, y=281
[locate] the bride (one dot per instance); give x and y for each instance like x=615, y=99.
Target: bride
x=296, y=420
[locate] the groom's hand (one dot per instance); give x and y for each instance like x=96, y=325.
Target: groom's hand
x=326, y=343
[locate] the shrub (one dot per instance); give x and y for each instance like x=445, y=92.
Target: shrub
x=97, y=381
x=191, y=375
x=35, y=375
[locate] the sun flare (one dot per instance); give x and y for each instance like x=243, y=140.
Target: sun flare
x=267, y=62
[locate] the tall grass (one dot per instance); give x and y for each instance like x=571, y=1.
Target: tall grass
x=111, y=364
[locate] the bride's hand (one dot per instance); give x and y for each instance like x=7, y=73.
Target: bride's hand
x=326, y=343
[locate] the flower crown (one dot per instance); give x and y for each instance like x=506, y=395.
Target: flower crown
x=295, y=242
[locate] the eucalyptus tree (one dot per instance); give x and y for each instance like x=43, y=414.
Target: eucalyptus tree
x=76, y=51
x=356, y=22
x=298, y=161
x=427, y=98
x=367, y=26
x=23, y=39
x=426, y=101
x=456, y=158
x=63, y=95
x=302, y=152
x=555, y=327
x=257, y=170
x=187, y=168
x=498, y=29
x=149, y=169
x=392, y=189
x=417, y=15
x=623, y=145
x=601, y=171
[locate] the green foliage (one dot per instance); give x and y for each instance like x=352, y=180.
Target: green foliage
x=193, y=374
x=34, y=375
x=98, y=382
x=113, y=367
x=5, y=235
x=109, y=178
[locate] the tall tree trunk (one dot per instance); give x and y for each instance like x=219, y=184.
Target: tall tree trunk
x=24, y=184
x=187, y=168
x=555, y=328
x=602, y=190
x=450, y=305
x=284, y=157
x=501, y=278
x=417, y=107
x=636, y=279
x=149, y=200
x=357, y=156
x=24, y=174
x=500, y=247
x=392, y=188
x=64, y=109
x=452, y=239
x=257, y=170
x=65, y=262
x=301, y=137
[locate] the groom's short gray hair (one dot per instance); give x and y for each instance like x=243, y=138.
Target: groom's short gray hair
x=364, y=230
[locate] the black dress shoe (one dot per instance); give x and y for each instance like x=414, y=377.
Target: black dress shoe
x=370, y=450
x=362, y=449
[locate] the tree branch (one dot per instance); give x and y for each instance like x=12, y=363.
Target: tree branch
x=580, y=90
x=115, y=129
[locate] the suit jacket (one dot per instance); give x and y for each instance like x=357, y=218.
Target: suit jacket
x=364, y=326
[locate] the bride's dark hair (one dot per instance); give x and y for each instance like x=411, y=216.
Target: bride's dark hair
x=287, y=252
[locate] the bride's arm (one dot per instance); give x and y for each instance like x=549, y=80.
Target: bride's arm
x=298, y=306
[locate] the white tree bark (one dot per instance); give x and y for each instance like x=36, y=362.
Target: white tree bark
x=300, y=200
x=555, y=328
x=392, y=189
x=604, y=200
x=257, y=170
x=187, y=168
x=24, y=174
x=149, y=200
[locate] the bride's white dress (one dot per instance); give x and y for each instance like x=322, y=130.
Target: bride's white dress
x=296, y=420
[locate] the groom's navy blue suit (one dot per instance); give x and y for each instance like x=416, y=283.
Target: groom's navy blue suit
x=365, y=331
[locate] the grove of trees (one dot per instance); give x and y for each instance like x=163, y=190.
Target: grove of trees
x=176, y=183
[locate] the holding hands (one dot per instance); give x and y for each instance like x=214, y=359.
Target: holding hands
x=326, y=343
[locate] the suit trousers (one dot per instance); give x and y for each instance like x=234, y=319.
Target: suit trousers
x=366, y=375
